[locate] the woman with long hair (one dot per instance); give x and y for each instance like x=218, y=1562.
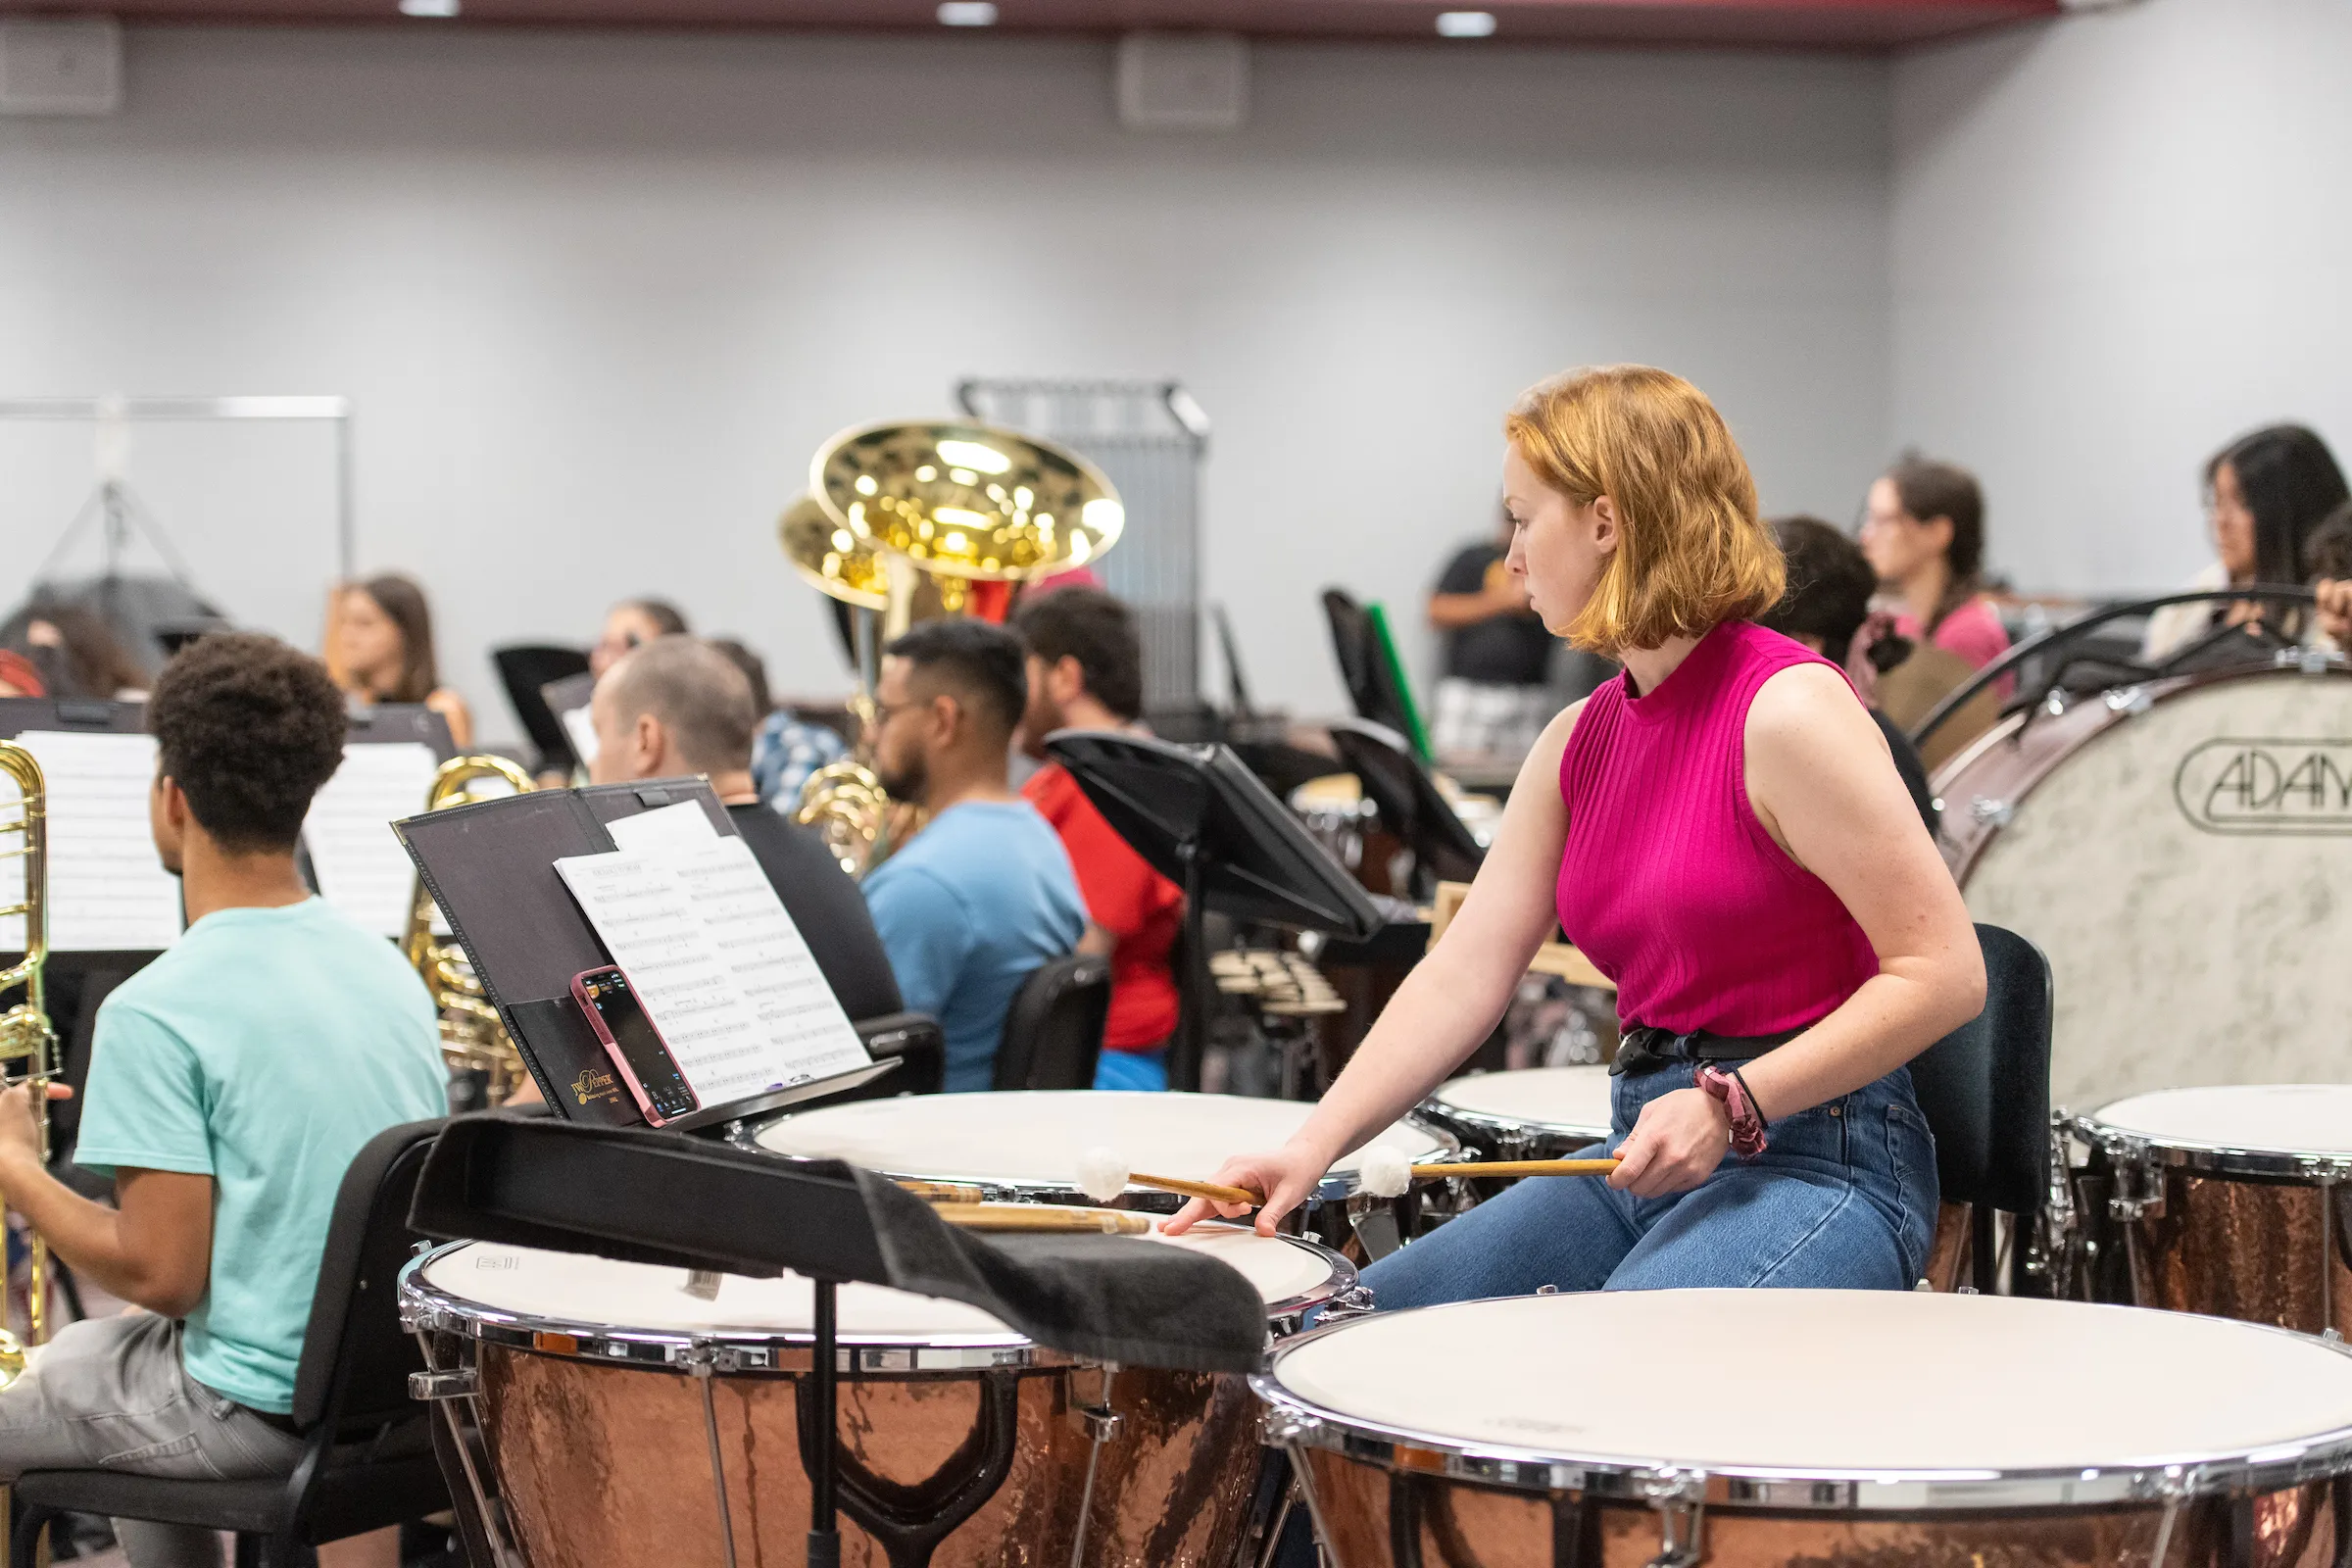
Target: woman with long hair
x=380, y=650
x=1722, y=832
x=2265, y=492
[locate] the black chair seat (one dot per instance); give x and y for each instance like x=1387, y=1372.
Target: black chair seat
x=257, y=1507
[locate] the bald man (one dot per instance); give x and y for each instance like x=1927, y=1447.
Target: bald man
x=676, y=705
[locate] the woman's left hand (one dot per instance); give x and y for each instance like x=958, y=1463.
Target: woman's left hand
x=1676, y=1144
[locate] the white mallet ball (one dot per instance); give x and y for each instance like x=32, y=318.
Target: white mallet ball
x=1386, y=1173
x=1102, y=1174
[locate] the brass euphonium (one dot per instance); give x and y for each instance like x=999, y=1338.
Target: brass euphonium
x=473, y=1039
x=25, y=1032
x=900, y=519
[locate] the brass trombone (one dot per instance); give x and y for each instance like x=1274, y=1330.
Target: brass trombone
x=473, y=1039
x=25, y=1032
x=900, y=519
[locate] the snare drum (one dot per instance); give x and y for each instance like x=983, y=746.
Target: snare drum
x=957, y=1433
x=1025, y=1146
x=1768, y=1427
x=1532, y=1113
x=2224, y=1200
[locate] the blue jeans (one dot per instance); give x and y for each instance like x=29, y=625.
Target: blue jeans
x=1131, y=1069
x=1843, y=1198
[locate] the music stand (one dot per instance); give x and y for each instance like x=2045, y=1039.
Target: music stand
x=1206, y=823
x=522, y=669
x=657, y=1198
x=1408, y=801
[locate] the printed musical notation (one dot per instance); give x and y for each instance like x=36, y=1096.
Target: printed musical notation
x=357, y=857
x=107, y=891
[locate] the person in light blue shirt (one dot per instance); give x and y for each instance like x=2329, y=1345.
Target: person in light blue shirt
x=231, y=1081
x=984, y=893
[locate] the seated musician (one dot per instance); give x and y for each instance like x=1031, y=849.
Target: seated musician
x=2263, y=494
x=974, y=902
x=231, y=1082
x=1827, y=599
x=1924, y=534
x=629, y=624
x=1086, y=671
x=679, y=704
x=1721, y=831
x=380, y=650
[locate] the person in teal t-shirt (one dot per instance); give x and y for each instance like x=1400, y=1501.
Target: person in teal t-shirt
x=984, y=893
x=231, y=1081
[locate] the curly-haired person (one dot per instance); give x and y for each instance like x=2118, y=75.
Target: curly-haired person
x=231, y=1081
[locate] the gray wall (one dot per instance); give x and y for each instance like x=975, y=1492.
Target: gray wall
x=2117, y=242
x=598, y=297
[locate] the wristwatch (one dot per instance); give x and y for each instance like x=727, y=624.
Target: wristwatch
x=1748, y=1126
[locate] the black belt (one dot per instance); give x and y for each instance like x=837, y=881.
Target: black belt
x=1645, y=1047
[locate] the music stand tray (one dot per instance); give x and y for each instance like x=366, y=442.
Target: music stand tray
x=1206, y=823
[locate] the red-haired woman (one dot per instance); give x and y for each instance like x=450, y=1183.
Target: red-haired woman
x=1722, y=831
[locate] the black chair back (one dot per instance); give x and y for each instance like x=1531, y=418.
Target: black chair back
x=1054, y=1029
x=1984, y=1088
x=356, y=1360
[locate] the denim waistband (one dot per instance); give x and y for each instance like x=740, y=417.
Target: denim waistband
x=1646, y=1049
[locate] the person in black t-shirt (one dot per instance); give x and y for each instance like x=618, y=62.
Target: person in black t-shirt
x=676, y=705
x=1493, y=698
x=1830, y=584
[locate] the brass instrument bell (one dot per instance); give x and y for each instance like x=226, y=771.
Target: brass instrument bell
x=964, y=501
x=836, y=561
x=472, y=1037
x=25, y=1032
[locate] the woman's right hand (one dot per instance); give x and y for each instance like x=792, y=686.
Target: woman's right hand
x=1285, y=1175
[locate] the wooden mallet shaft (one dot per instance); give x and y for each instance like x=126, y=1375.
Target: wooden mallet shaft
x=1215, y=1192
x=1041, y=1217
x=1516, y=1167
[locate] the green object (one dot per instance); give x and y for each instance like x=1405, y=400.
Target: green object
x=1414, y=730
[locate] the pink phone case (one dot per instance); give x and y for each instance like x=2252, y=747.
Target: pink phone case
x=620, y=1061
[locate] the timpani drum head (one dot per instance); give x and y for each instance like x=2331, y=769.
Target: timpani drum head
x=527, y=1286
x=2187, y=868
x=1549, y=1100
x=1821, y=1383
x=1035, y=1140
x=2312, y=1120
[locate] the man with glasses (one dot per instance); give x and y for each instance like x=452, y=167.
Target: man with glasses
x=984, y=893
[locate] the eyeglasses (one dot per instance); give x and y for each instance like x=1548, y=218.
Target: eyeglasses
x=882, y=712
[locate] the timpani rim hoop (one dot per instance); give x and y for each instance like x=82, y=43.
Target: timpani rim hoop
x=425, y=1306
x=1464, y=1123
x=1336, y=1186
x=2212, y=1156
x=1294, y=1421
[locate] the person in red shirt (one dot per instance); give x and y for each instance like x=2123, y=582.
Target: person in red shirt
x=1086, y=671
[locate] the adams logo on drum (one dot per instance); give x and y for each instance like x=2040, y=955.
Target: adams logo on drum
x=2230, y=785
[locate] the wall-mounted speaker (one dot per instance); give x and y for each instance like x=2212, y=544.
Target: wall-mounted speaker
x=1182, y=81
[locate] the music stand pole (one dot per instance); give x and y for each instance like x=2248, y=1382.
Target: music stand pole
x=1192, y=1048
x=824, y=1535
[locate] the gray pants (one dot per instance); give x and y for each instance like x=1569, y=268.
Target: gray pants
x=109, y=1394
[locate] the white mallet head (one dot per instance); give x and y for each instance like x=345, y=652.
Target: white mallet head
x=1102, y=1174
x=1386, y=1173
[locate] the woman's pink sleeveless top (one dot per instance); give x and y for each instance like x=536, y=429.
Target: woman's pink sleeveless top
x=1669, y=883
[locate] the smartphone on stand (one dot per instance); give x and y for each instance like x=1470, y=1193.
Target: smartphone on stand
x=637, y=1049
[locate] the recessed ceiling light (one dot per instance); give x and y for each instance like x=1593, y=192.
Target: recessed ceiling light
x=968, y=13
x=428, y=8
x=1465, y=24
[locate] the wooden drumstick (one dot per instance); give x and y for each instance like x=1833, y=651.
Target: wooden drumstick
x=1516, y=1167
x=946, y=1192
x=1041, y=1217
x=1215, y=1192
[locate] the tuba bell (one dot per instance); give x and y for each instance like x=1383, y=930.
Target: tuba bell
x=25, y=1032
x=898, y=522
x=473, y=1039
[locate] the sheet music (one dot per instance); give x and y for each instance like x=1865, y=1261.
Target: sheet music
x=580, y=731
x=680, y=826
x=717, y=964
x=107, y=890
x=361, y=866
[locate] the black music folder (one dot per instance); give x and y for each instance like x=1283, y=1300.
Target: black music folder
x=491, y=867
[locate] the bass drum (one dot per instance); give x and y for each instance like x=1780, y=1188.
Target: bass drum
x=2182, y=852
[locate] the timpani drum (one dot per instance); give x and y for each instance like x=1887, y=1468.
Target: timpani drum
x=1530, y=1113
x=1026, y=1147
x=1773, y=1429
x=961, y=1442
x=2229, y=1200
x=2181, y=850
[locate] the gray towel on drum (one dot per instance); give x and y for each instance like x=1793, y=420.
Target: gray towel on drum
x=642, y=1195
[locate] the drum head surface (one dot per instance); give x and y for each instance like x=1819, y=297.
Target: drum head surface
x=600, y=1292
x=1036, y=1139
x=1823, y=1383
x=2271, y=1118
x=1564, y=1098
x=2188, y=871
